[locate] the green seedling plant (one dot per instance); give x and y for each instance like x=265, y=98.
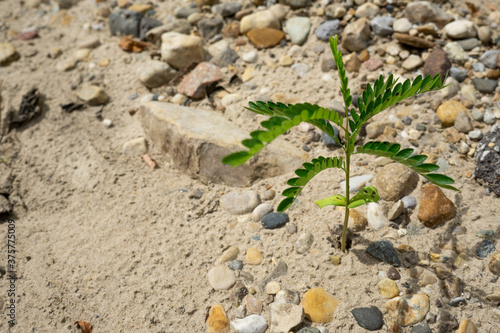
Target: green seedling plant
x=383, y=94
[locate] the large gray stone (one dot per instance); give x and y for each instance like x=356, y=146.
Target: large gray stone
x=125, y=22
x=197, y=140
x=427, y=12
x=356, y=35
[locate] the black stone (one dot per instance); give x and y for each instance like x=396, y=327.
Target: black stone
x=421, y=328
x=147, y=23
x=227, y=8
x=125, y=22
x=370, y=318
x=484, y=248
x=384, y=251
x=487, y=169
x=224, y=58
x=274, y=220
x=485, y=86
x=209, y=27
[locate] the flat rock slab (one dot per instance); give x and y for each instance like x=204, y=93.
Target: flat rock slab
x=196, y=141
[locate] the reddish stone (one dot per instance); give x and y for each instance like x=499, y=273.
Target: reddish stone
x=413, y=41
x=373, y=64
x=193, y=85
x=28, y=35
x=435, y=207
x=437, y=63
x=263, y=38
x=232, y=30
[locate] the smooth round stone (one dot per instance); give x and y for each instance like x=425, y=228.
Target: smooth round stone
x=236, y=265
x=301, y=69
x=230, y=254
x=477, y=115
x=274, y=220
x=304, y=243
x=369, y=318
x=239, y=203
x=250, y=56
x=484, y=248
x=269, y=195
x=254, y=257
x=260, y=211
x=298, y=29
x=252, y=304
x=251, y=324
x=478, y=67
x=327, y=29
x=458, y=74
x=272, y=288
x=217, y=320
x=421, y=328
x=402, y=25
x=393, y=274
x=221, y=278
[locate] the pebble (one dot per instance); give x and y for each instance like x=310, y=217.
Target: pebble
x=272, y=288
x=304, y=242
x=421, y=328
x=376, y=128
x=452, y=287
x=221, y=278
x=250, y=57
x=488, y=160
x=327, y=29
x=388, y=288
x=373, y=64
x=412, y=62
x=135, y=147
x=490, y=58
x=236, y=265
x=368, y=318
x=231, y=99
x=260, y=211
x=66, y=65
x=287, y=296
x=409, y=309
x=486, y=86
x=251, y=324
x=229, y=255
x=318, y=305
x=210, y=27
x=426, y=12
x=384, y=251
x=179, y=99
x=489, y=118
x=329, y=141
x=435, y=207
x=226, y=9
x=239, y=203
x=393, y=274
x=352, y=62
x=252, y=304
x=442, y=271
x=460, y=260
x=466, y=326
x=458, y=74
x=460, y=29
x=402, y=25
x=263, y=38
x=298, y=29
x=382, y=25
x=427, y=279
x=494, y=264
x=180, y=50
x=300, y=69
x=463, y=123
x=484, y=34
x=261, y=19
x=269, y=195
x=217, y=320
x=309, y=330
x=356, y=35
x=125, y=22
x=274, y=220
x=475, y=135
x=456, y=53
x=155, y=73
x=437, y=63
x=93, y=95
x=457, y=301
x=254, y=257
x=409, y=202
x=204, y=74
x=448, y=112
x=357, y=222
x=285, y=316
x=484, y=248
x=394, y=180
x=396, y=210
x=356, y=183
x=375, y=217
x=494, y=297
x=225, y=58
x=367, y=9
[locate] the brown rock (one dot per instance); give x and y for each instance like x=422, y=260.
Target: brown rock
x=494, y=265
x=364, y=55
x=193, y=85
x=452, y=287
x=217, y=320
x=452, y=135
x=231, y=30
x=443, y=272
x=357, y=221
x=435, y=207
x=352, y=62
x=413, y=41
x=467, y=326
x=493, y=74
x=356, y=35
x=263, y=38
x=437, y=63
x=409, y=309
x=252, y=304
x=394, y=180
x=319, y=306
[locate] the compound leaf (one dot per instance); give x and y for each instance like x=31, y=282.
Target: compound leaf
x=365, y=195
x=335, y=200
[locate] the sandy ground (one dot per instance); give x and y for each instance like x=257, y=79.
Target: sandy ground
x=101, y=237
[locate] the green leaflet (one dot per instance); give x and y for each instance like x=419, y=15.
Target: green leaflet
x=406, y=157
x=336, y=200
x=365, y=195
x=283, y=117
x=305, y=174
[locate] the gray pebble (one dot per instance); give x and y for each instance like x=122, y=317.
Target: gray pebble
x=478, y=67
x=458, y=74
x=327, y=29
x=489, y=118
x=475, y=135
x=274, y=220
x=304, y=243
x=269, y=195
x=477, y=115
x=236, y=265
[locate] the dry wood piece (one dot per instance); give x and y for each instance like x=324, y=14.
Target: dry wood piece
x=130, y=44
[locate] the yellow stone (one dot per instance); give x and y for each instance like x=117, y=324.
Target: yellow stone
x=318, y=305
x=467, y=326
x=141, y=8
x=248, y=74
x=434, y=257
x=448, y=112
x=286, y=60
x=388, y=288
x=104, y=62
x=230, y=254
x=461, y=260
x=335, y=260
x=254, y=257
x=217, y=320
x=357, y=222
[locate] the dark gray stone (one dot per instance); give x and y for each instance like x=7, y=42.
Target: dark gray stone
x=147, y=23
x=327, y=29
x=384, y=251
x=457, y=301
x=370, y=318
x=227, y=8
x=125, y=22
x=209, y=27
x=329, y=141
x=184, y=12
x=468, y=44
x=421, y=328
x=484, y=248
x=382, y=25
x=274, y=220
x=458, y=74
x=487, y=169
x=407, y=120
x=225, y=58
x=486, y=86
x=295, y=4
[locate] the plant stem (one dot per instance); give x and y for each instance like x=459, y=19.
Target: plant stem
x=346, y=217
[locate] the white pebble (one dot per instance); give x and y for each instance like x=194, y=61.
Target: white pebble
x=260, y=211
x=251, y=324
x=375, y=216
x=107, y=122
x=250, y=57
